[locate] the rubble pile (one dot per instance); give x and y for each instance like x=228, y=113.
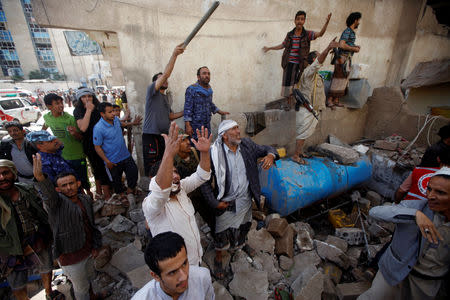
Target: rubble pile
x=394, y=147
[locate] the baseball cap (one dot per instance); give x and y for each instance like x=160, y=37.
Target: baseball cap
x=40, y=136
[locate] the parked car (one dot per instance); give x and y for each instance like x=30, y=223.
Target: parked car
x=19, y=110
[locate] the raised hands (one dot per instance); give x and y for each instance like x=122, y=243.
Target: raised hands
x=37, y=167
x=172, y=140
x=204, y=140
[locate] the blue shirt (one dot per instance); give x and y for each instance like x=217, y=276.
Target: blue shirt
x=54, y=163
x=198, y=107
x=349, y=36
x=110, y=138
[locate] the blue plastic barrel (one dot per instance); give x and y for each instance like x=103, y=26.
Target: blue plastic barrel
x=290, y=186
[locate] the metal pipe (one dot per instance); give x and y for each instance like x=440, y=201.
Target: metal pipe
x=201, y=22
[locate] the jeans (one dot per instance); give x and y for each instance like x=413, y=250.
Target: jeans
x=131, y=172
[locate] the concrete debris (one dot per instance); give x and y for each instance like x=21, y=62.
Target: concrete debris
x=354, y=253
x=258, y=215
x=285, y=244
x=127, y=259
x=301, y=261
x=299, y=226
x=332, y=253
x=270, y=217
x=330, y=292
x=358, y=274
x=110, y=209
x=277, y=227
x=385, y=145
x=97, y=205
x=261, y=240
x=350, y=291
x=353, y=236
x=334, y=140
x=338, y=242
x=309, y=284
x=374, y=198
x=136, y=215
x=141, y=228
x=120, y=224
x=286, y=262
x=103, y=257
x=268, y=263
x=333, y=272
x=373, y=250
x=139, y=276
x=377, y=231
x=221, y=293
x=341, y=154
x=251, y=285
x=102, y=222
x=304, y=241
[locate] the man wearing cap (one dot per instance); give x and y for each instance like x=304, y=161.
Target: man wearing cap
x=19, y=150
x=235, y=173
x=418, y=258
x=50, y=149
x=25, y=235
x=167, y=207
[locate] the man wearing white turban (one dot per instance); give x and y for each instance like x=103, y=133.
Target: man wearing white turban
x=236, y=183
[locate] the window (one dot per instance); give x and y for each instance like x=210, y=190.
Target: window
x=11, y=104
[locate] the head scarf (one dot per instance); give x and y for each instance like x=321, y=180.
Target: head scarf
x=9, y=164
x=84, y=91
x=442, y=171
x=225, y=125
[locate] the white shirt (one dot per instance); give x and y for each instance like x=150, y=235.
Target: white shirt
x=310, y=77
x=199, y=288
x=165, y=214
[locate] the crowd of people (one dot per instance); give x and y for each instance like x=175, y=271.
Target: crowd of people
x=46, y=198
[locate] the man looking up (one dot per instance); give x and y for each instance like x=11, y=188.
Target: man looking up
x=110, y=146
x=174, y=278
x=198, y=105
x=158, y=114
x=343, y=60
x=25, y=233
x=311, y=86
x=71, y=217
x=18, y=150
x=168, y=207
x=296, y=47
x=236, y=184
x=64, y=127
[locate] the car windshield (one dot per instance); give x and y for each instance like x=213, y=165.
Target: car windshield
x=11, y=104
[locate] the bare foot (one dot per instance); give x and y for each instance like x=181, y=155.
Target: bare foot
x=298, y=159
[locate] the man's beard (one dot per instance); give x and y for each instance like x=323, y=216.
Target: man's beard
x=176, y=188
x=11, y=183
x=163, y=88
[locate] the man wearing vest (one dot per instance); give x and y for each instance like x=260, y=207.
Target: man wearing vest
x=296, y=47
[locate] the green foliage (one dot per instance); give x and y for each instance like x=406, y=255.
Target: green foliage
x=39, y=74
x=58, y=77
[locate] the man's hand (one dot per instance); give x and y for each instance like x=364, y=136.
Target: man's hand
x=333, y=44
x=178, y=50
x=172, y=140
x=137, y=120
x=265, y=49
x=356, y=49
x=222, y=205
x=189, y=130
x=267, y=161
x=110, y=165
x=221, y=112
x=204, y=140
x=329, y=17
x=72, y=130
x=90, y=106
x=37, y=168
x=427, y=228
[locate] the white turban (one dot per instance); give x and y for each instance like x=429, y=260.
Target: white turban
x=442, y=171
x=225, y=125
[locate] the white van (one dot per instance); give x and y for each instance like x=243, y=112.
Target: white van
x=19, y=110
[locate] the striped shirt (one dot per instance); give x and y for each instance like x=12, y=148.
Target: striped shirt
x=294, y=54
x=349, y=36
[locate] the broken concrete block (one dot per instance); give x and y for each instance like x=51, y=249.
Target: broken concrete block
x=304, y=241
x=333, y=271
x=342, y=154
x=142, y=228
x=277, y=227
x=334, y=140
x=270, y=217
x=251, y=285
x=338, y=242
x=373, y=250
x=221, y=292
x=209, y=256
x=403, y=144
x=144, y=183
x=258, y=215
x=354, y=253
x=120, y=224
x=127, y=259
x=385, y=145
x=374, y=198
x=97, y=205
x=261, y=240
x=102, y=222
x=377, y=231
x=136, y=215
x=268, y=263
x=309, y=284
x=299, y=226
x=112, y=210
x=301, y=261
x=285, y=244
x=330, y=291
x=103, y=257
x=286, y=262
x=358, y=274
x=353, y=236
x=351, y=291
x=139, y=276
x=332, y=253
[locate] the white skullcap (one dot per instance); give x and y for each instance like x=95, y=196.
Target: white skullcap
x=442, y=171
x=225, y=125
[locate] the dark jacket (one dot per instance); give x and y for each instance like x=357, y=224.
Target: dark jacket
x=66, y=219
x=10, y=243
x=6, y=148
x=305, y=45
x=250, y=153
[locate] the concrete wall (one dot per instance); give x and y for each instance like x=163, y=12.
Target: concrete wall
x=17, y=25
x=230, y=43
